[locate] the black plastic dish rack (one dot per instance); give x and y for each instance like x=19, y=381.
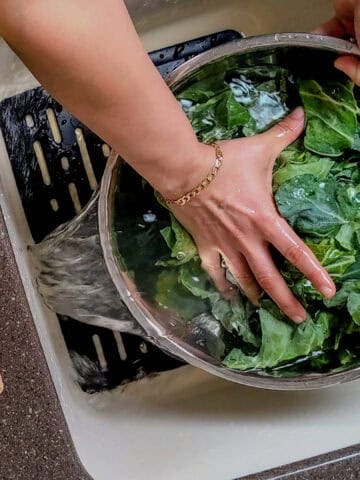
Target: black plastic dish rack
x=57, y=164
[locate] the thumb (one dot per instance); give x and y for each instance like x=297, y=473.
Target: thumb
x=286, y=131
x=350, y=66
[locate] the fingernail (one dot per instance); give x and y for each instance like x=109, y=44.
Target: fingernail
x=328, y=292
x=298, y=113
x=298, y=319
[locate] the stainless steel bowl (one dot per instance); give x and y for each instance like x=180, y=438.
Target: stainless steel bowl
x=160, y=326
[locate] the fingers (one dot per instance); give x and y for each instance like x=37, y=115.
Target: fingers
x=333, y=28
x=286, y=131
x=298, y=254
x=270, y=279
x=350, y=66
x=240, y=270
x=210, y=262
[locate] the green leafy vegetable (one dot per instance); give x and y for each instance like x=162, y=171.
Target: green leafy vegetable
x=310, y=206
x=263, y=93
x=180, y=243
x=171, y=294
x=219, y=118
x=316, y=185
x=233, y=315
x=282, y=341
x=293, y=163
x=353, y=305
x=353, y=272
x=331, y=112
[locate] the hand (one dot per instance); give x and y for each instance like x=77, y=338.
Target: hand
x=236, y=218
x=345, y=23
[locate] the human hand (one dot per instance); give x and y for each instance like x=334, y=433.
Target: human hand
x=236, y=218
x=345, y=23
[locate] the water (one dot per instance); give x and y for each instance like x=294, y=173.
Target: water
x=264, y=107
x=73, y=279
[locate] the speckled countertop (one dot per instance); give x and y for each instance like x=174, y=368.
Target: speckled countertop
x=340, y=465
x=34, y=440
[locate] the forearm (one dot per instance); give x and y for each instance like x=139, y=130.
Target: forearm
x=88, y=55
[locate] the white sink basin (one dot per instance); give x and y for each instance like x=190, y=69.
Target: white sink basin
x=182, y=20
x=184, y=424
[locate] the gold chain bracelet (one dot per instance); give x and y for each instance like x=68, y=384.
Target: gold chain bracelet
x=184, y=199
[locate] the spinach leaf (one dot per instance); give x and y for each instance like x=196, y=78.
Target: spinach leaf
x=353, y=272
x=180, y=243
x=208, y=82
x=356, y=141
x=331, y=113
x=196, y=280
x=233, y=315
x=311, y=207
x=341, y=296
x=345, y=236
x=202, y=90
x=335, y=260
x=219, y=118
x=263, y=92
x=353, y=305
x=282, y=342
x=171, y=294
x=295, y=164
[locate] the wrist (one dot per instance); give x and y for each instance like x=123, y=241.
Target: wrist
x=185, y=172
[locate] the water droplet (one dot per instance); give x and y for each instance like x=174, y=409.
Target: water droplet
x=149, y=217
x=299, y=193
x=322, y=185
x=186, y=103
